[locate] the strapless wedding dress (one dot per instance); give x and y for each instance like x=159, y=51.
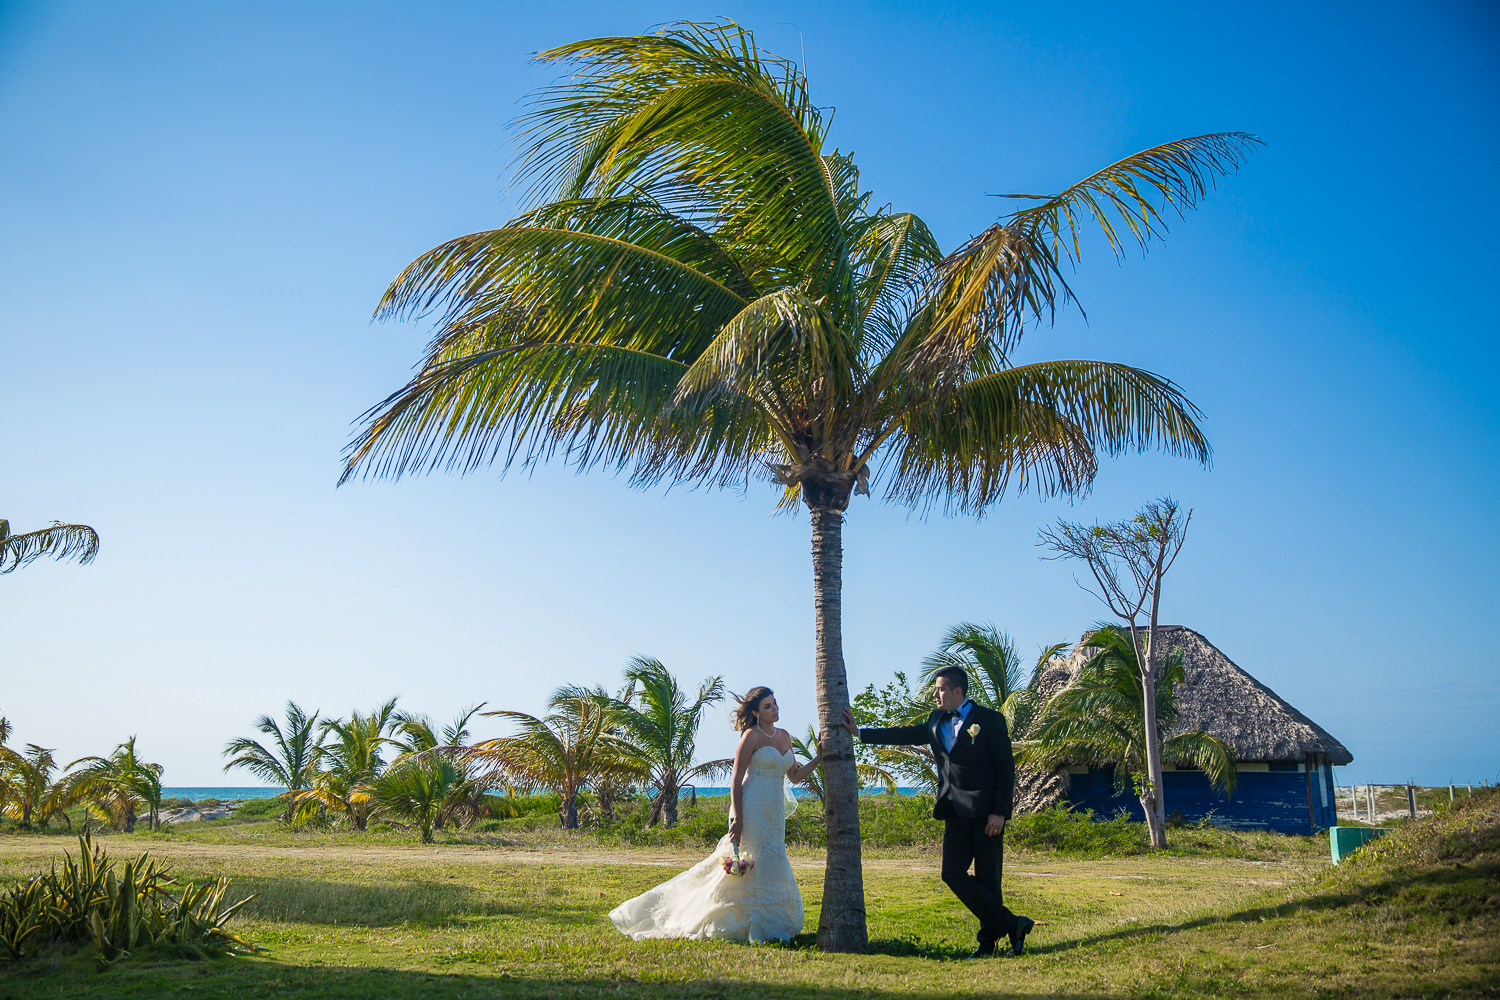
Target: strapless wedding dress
x=705, y=902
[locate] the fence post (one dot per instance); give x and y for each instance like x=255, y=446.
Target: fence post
x=1450, y=793
x=1411, y=800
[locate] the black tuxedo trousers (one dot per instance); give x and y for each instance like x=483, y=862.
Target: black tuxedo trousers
x=965, y=843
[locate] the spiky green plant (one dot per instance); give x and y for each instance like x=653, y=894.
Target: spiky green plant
x=700, y=292
x=88, y=902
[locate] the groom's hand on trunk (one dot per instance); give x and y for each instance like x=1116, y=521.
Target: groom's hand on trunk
x=849, y=722
x=994, y=826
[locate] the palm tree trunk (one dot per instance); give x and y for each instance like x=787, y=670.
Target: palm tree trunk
x=841, y=922
x=670, y=792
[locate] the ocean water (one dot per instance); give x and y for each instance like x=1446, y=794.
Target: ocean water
x=223, y=794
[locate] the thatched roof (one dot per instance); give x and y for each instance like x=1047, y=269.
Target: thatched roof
x=1219, y=698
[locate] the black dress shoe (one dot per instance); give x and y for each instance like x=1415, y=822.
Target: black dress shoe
x=990, y=950
x=1018, y=936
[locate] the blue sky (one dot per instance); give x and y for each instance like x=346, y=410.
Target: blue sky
x=201, y=205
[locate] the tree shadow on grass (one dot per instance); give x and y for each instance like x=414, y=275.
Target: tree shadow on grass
x=1457, y=893
x=388, y=904
x=254, y=980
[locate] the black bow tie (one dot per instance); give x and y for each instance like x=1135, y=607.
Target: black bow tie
x=949, y=715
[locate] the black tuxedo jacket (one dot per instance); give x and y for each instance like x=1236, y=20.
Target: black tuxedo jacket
x=978, y=777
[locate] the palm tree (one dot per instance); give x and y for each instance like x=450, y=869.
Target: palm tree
x=27, y=792
x=701, y=292
x=349, y=764
x=563, y=751
x=61, y=541
x=419, y=741
x=987, y=655
x=663, y=730
x=1099, y=718
x=118, y=786
x=418, y=789
x=292, y=758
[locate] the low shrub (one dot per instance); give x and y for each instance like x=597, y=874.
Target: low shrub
x=261, y=809
x=1077, y=833
x=86, y=902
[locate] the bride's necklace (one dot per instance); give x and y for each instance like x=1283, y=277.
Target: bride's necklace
x=771, y=734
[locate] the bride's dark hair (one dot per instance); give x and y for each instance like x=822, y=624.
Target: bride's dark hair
x=744, y=714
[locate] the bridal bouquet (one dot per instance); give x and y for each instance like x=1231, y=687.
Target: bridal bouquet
x=733, y=864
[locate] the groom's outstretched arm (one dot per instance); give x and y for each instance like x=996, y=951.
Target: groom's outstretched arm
x=896, y=736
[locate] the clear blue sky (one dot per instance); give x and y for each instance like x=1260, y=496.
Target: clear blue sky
x=201, y=203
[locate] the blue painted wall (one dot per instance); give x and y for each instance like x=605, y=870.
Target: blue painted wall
x=1262, y=800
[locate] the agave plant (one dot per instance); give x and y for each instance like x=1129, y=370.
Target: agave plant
x=88, y=901
x=1098, y=718
x=700, y=291
x=118, y=786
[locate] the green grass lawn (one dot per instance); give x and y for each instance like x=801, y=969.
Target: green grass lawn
x=377, y=915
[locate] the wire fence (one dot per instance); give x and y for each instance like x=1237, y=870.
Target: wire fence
x=1371, y=803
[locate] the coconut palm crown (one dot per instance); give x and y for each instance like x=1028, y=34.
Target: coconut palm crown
x=700, y=291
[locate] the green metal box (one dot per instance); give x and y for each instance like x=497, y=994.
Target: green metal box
x=1344, y=840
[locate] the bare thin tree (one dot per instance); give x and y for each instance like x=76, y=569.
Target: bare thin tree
x=1128, y=560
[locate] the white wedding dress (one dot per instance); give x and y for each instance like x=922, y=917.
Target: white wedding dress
x=706, y=902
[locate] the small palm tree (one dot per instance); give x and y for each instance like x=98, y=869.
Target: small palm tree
x=349, y=764
x=418, y=739
x=291, y=759
x=570, y=747
x=28, y=793
x=661, y=724
x=61, y=541
x=118, y=786
x=1098, y=718
x=419, y=790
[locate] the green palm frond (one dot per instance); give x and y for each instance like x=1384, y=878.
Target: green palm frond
x=987, y=655
x=61, y=541
x=1041, y=424
x=1126, y=198
x=292, y=755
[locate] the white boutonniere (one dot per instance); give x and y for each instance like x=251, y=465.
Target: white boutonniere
x=974, y=731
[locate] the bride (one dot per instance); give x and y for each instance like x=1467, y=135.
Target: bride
x=706, y=901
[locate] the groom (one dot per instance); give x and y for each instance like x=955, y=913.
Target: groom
x=976, y=783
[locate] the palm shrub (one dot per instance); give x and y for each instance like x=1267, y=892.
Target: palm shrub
x=562, y=752
x=417, y=738
x=660, y=723
x=118, y=786
x=418, y=790
x=292, y=757
x=117, y=912
x=28, y=793
x=348, y=765
x=700, y=291
x=1098, y=718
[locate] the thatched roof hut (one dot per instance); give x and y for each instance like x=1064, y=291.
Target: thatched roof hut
x=1285, y=759
x=1219, y=698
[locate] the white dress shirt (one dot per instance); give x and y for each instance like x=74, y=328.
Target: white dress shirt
x=949, y=728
